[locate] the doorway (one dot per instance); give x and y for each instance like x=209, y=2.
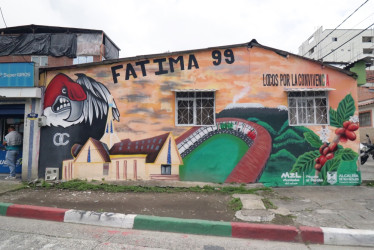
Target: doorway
x=166, y=169
x=11, y=114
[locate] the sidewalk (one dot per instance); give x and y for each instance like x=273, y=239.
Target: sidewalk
x=337, y=215
x=367, y=171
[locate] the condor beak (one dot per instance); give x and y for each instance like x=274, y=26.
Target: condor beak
x=76, y=111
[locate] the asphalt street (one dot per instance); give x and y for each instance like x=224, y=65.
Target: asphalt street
x=341, y=207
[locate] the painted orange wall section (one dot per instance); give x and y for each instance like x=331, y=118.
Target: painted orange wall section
x=146, y=104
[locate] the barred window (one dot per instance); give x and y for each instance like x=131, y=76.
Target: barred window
x=195, y=108
x=308, y=108
x=365, y=119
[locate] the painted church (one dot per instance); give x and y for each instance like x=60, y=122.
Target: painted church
x=155, y=158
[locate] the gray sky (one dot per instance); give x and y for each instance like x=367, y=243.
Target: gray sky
x=142, y=27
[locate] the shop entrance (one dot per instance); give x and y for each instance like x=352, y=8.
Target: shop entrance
x=11, y=114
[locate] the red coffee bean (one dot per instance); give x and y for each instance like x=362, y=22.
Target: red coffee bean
x=333, y=147
x=346, y=124
x=318, y=167
x=326, y=150
x=353, y=127
x=329, y=156
x=322, y=148
x=340, y=131
x=350, y=135
x=322, y=160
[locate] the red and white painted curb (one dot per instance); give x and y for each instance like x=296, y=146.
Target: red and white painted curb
x=304, y=234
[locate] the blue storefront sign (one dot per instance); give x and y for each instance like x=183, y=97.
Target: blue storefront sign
x=5, y=169
x=17, y=74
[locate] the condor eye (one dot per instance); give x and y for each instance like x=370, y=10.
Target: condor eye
x=64, y=91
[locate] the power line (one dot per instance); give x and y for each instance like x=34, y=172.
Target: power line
x=340, y=24
x=344, y=34
x=352, y=55
x=347, y=41
x=3, y=18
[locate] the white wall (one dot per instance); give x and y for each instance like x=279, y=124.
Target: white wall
x=349, y=52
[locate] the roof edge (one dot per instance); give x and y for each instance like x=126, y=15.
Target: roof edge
x=252, y=43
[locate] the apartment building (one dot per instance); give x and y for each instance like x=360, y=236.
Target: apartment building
x=342, y=45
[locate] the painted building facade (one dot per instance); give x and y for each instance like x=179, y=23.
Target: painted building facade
x=20, y=106
x=241, y=113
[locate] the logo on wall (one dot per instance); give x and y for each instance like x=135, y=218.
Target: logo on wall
x=58, y=139
x=332, y=177
x=32, y=116
x=68, y=102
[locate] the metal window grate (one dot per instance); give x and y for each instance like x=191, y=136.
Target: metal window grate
x=308, y=108
x=195, y=108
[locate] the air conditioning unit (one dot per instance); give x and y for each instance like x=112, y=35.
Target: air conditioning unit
x=51, y=174
x=42, y=121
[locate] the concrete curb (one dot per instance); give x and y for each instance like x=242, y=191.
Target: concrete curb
x=302, y=234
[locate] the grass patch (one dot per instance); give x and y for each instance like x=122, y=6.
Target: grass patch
x=80, y=185
x=283, y=219
x=236, y=204
x=268, y=204
x=370, y=184
x=285, y=198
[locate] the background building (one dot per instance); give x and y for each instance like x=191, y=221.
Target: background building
x=342, y=45
x=366, y=107
x=23, y=50
x=55, y=46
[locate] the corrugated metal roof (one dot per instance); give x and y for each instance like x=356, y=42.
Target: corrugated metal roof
x=252, y=43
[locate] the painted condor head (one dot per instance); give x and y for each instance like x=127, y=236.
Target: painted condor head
x=67, y=102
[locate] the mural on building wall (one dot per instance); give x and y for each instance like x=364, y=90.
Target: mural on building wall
x=249, y=139
x=75, y=111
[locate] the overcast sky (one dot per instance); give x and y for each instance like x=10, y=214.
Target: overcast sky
x=142, y=27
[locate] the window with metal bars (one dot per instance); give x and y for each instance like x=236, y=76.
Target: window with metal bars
x=365, y=119
x=308, y=108
x=195, y=108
